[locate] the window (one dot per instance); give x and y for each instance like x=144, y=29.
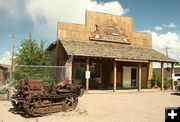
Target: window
x=79, y=72
x=177, y=74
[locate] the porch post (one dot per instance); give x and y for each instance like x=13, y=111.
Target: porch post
x=162, y=76
x=139, y=84
x=115, y=75
x=87, y=79
x=150, y=73
x=172, y=76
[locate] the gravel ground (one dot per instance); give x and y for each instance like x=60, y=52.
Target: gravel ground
x=125, y=107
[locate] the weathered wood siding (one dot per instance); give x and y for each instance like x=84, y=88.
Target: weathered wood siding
x=142, y=39
x=62, y=56
x=70, y=31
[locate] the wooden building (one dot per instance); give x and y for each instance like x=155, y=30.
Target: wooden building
x=4, y=74
x=106, y=46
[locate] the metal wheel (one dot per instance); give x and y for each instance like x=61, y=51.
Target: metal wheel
x=71, y=101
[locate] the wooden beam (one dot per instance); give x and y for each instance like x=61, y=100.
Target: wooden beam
x=129, y=60
x=162, y=76
x=139, y=83
x=115, y=75
x=162, y=61
x=87, y=79
x=172, y=77
x=150, y=74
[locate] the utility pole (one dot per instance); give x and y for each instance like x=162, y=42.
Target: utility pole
x=167, y=48
x=11, y=70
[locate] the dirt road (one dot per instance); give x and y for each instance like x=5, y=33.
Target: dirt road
x=125, y=107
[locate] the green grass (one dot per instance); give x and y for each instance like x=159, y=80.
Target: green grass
x=81, y=111
x=76, y=112
x=64, y=108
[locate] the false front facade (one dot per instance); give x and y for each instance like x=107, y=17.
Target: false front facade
x=107, y=53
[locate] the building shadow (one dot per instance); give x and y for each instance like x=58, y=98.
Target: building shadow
x=177, y=94
x=21, y=113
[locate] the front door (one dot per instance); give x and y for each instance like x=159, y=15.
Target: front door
x=133, y=77
x=126, y=77
x=129, y=77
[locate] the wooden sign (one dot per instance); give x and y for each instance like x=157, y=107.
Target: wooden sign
x=109, y=32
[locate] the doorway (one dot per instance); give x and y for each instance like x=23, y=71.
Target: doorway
x=130, y=77
x=133, y=77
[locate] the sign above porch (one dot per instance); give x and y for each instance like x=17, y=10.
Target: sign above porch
x=109, y=32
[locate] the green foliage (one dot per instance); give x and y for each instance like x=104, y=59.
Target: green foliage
x=167, y=83
x=178, y=64
x=31, y=53
x=158, y=79
x=16, y=85
x=3, y=91
x=64, y=108
x=81, y=111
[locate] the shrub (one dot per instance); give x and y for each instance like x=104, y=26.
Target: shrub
x=3, y=91
x=167, y=83
x=158, y=79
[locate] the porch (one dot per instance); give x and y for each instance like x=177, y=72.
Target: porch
x=116, y=66
x=115, y=75
x=120, y=90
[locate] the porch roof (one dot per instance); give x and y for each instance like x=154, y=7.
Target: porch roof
x=98, y=49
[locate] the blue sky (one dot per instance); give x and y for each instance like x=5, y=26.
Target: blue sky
x=159, y=17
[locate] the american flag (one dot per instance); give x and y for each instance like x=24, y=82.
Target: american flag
x=69, y=61
x=68, y=64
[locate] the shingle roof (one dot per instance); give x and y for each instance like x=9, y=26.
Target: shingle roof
x=3, y=67
x=97, y=49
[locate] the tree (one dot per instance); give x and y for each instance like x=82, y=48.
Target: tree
x=31, y=53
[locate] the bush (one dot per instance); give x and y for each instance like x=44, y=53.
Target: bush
x=3, y=91
x=158, y=79
x=167, y=83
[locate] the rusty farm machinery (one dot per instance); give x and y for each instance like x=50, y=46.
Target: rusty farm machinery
x=33, y=101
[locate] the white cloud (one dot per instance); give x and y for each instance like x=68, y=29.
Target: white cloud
x=170, y=25
x=169, y=39
x=6, y=59
x=46, y=13
x=158, y=28
x=146, y=31
x=43, y=15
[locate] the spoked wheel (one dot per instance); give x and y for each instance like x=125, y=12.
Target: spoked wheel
x=30, y=106
x=71, y=101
